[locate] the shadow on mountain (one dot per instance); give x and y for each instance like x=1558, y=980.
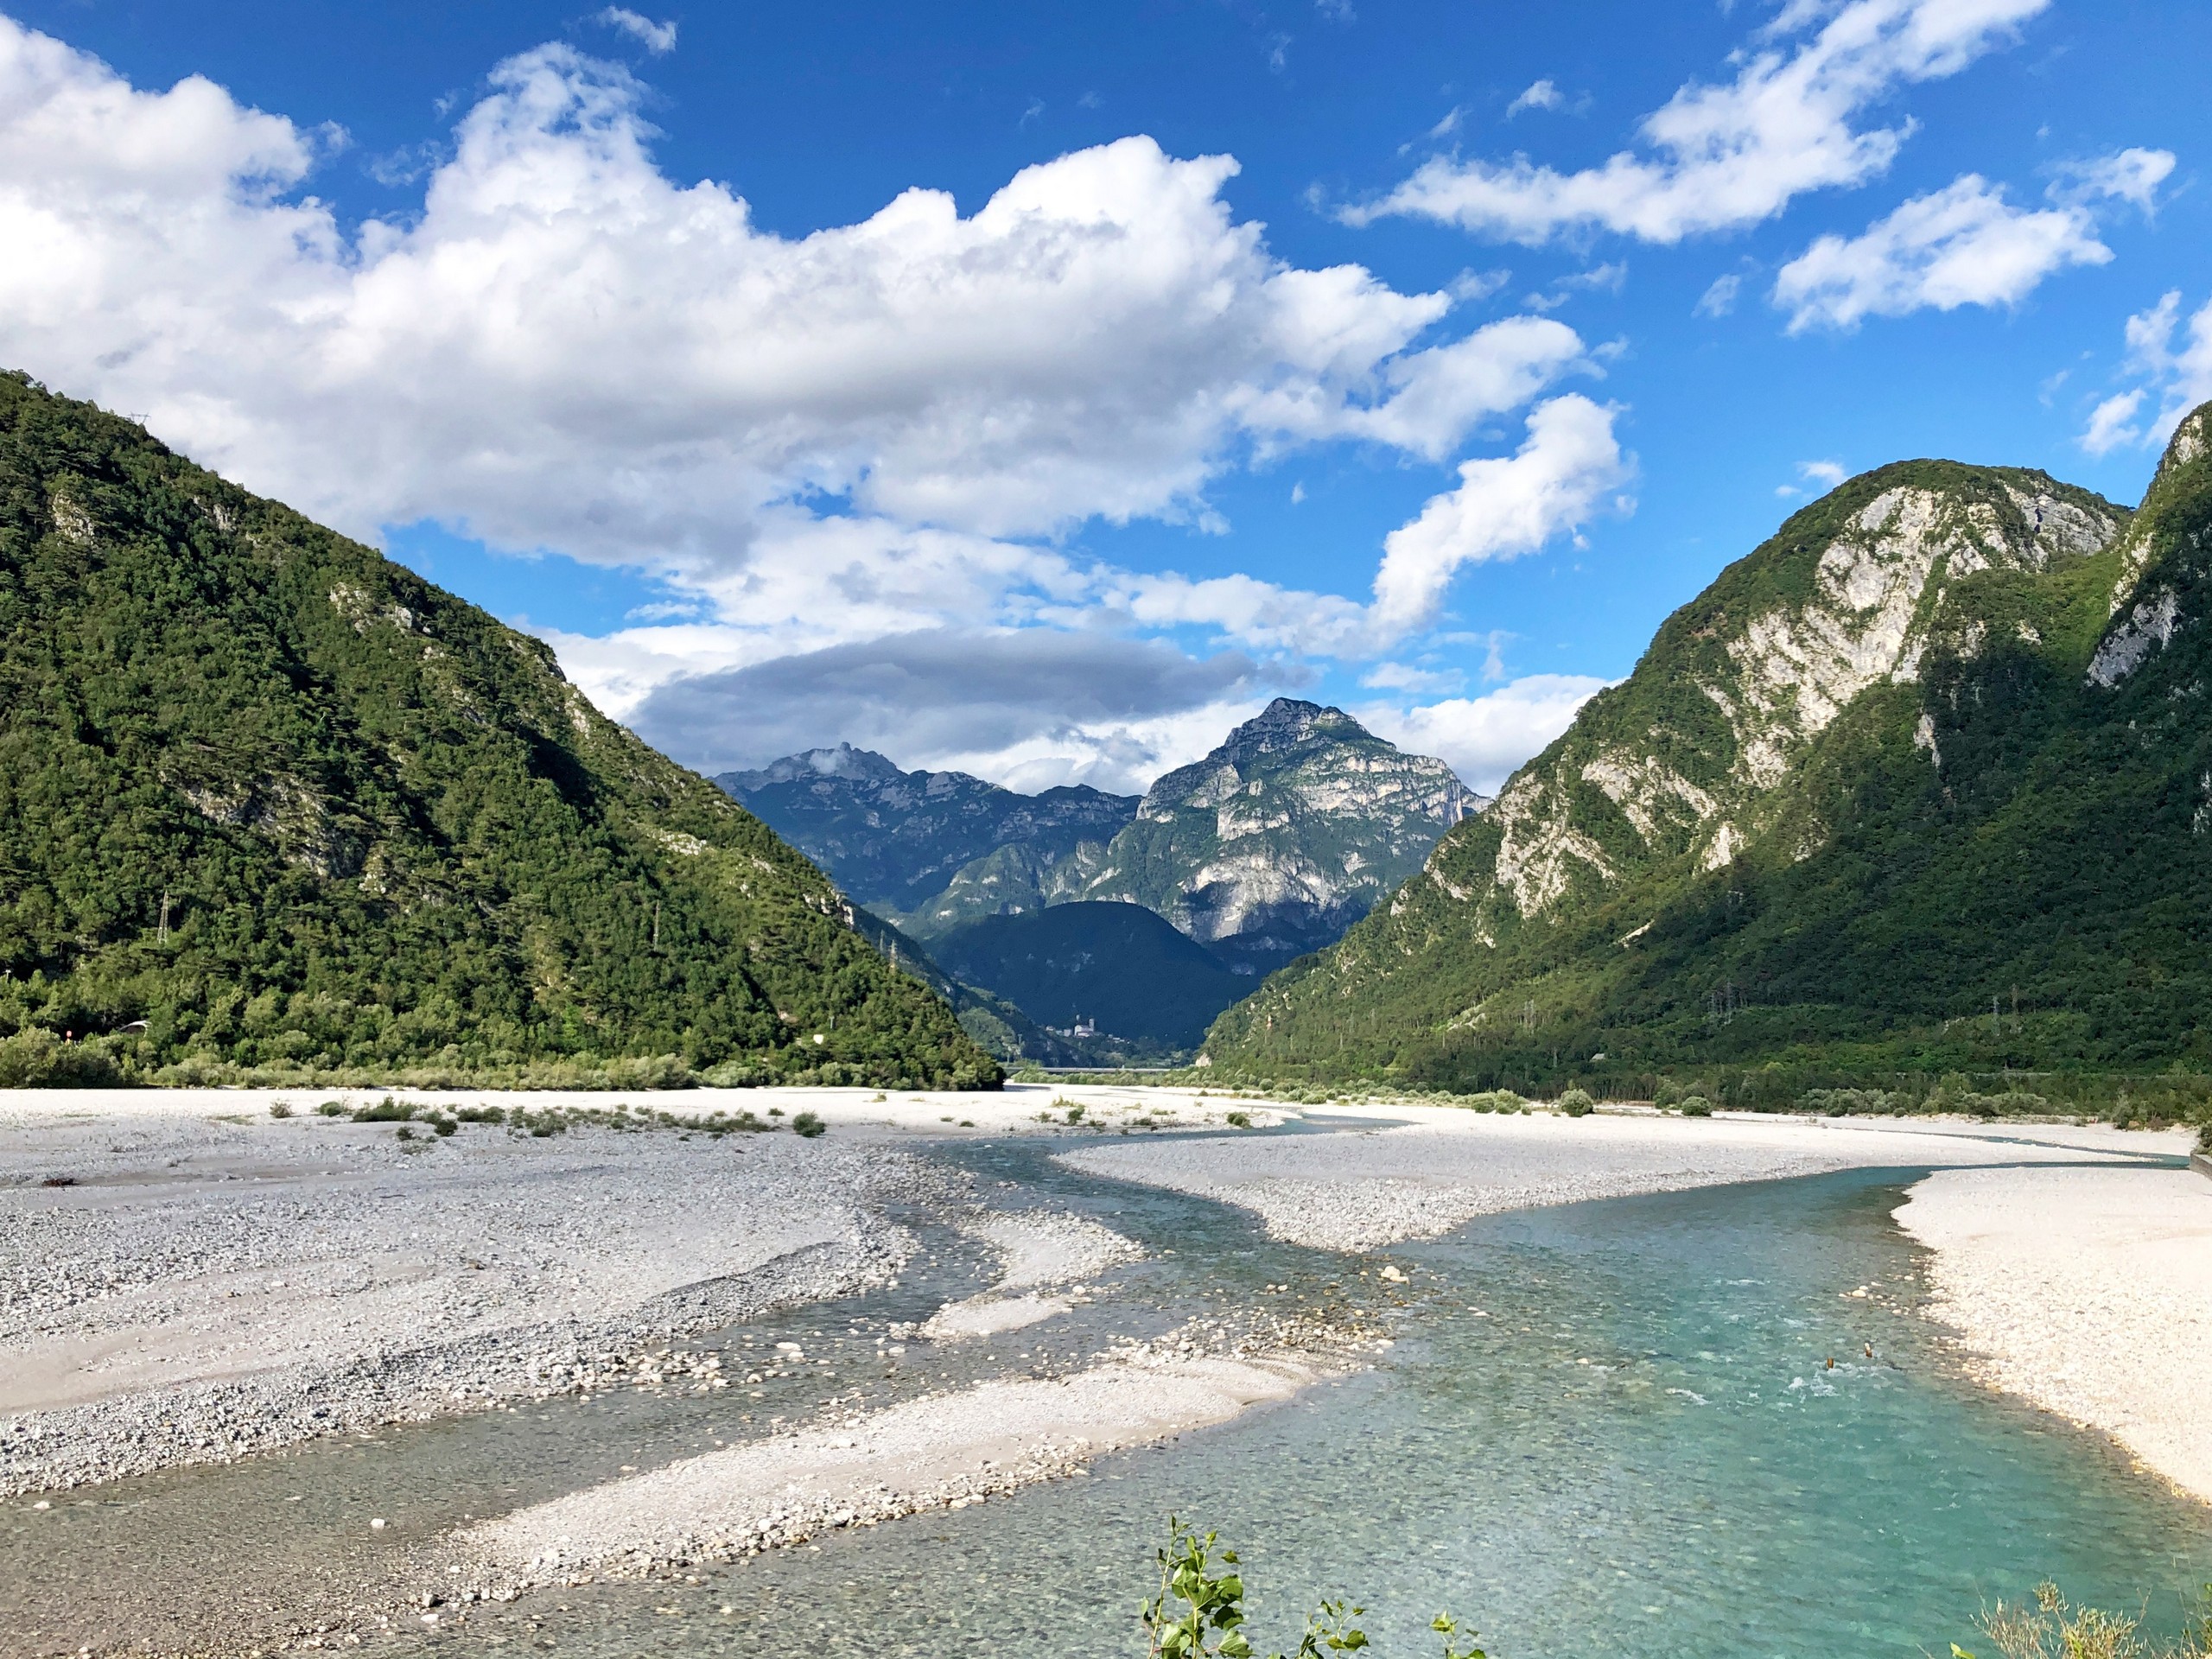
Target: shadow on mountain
x=1120, y=967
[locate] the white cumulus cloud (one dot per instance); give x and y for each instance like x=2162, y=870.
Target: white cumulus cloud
x=2173, y=361
x=884, y=429
x=1502, y=508
x=1964, y=244
x=1724, y=155
x=1539, y=95
x=655, y=38
x=1485, y=737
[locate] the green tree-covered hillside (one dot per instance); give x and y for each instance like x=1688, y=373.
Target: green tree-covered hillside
x=270, y=801
x=1922, y=784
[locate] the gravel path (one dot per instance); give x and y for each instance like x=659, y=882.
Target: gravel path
x=2086, y=1291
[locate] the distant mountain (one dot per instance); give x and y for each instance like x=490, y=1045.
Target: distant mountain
x=270, y=801
x=893, y=839
x=1283, y=836
x=1000, y=1027
x=1922, y=784
x=1119, y=968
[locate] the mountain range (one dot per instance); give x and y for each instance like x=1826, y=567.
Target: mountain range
x=1268, y=848
x=271, y=805
x=1923, y=783
x=893, y=839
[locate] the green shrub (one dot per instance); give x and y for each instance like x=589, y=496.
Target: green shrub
x=1493, y=1100
x=1240, y=1120
x=1576, y=1103
x=37, y=1058
x=808, y=1124
x=331, y=1109
x=280, y=1108
x=386, y=1111
x=1696, y=1106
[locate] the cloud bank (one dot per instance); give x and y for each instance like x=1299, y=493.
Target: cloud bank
x=850, y=442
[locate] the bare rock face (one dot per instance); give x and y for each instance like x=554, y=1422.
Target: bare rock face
x=1937, y=745
x=892, y=839
x=1282, y=837
x=1689, y=759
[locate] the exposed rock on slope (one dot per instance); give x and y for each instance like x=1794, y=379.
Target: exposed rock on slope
x=1279, y=839
x=1939, y=741
x=269, y=800
x=892, y=839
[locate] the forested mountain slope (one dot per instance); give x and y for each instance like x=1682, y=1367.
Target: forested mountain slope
x=1923, y=782
x=268, y=800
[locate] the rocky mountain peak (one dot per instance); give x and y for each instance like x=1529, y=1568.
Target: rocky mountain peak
x=2191, y=439
x=1284, y=724
x=844, y=761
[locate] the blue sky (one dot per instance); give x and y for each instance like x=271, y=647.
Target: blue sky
x=1055, y=473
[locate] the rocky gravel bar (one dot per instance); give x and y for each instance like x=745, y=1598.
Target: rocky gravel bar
x=193, y=1288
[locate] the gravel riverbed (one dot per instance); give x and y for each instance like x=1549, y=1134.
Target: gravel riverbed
x=193, y=1289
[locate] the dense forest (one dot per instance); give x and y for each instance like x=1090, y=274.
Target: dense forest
x=272, y=805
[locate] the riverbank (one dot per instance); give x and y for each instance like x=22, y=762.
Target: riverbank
x=2086, y=1291
x=1367, y=1188
x=180, y=1286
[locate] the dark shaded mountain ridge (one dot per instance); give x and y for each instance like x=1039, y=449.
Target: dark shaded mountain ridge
x=1270, y=846
x=272, y=805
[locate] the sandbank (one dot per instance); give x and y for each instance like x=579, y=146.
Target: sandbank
x=2086, y=1291
x=943, y=1451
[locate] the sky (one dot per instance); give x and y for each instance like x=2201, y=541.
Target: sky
x=1038, y=390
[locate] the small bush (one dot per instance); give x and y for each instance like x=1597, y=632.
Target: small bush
x=280, y=1108
x=331, y=1109
x=386, y=1111
x=479, y=1115
x=2051, y=1626
x=37, y=1058
x=1240, y=1120
x=1494, y=1100
x=808, y=1124
x=407, y=1131
x=1576, y=1103
x=1696, y=1106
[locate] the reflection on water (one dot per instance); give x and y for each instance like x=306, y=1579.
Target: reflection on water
x=1611, y=1427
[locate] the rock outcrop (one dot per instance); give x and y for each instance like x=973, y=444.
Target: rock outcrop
x=1926, y=775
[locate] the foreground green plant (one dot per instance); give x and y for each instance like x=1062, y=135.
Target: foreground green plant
x=2051, y=1628
x=1199, y=1612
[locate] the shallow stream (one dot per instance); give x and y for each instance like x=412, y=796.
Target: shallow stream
x=1606, y=1427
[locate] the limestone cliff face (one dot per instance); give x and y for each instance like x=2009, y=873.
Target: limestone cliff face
x=1939, y=744
x=1269, y=847
x=1686, y=761
x=1280, y=838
